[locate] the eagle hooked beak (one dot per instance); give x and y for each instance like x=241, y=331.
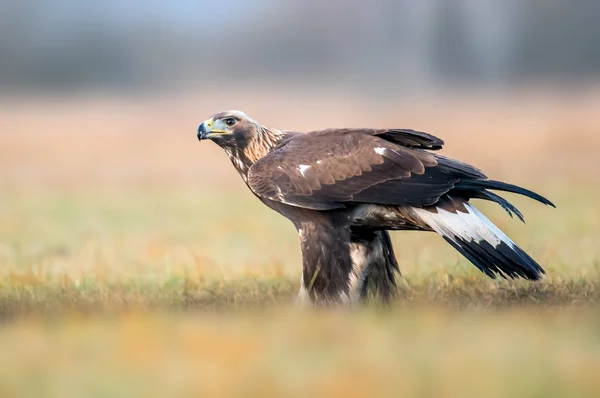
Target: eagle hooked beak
x=204, y=129
x=207, y=131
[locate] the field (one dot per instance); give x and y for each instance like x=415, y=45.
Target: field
x=134, y=262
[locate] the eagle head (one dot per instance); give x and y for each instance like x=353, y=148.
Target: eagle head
x=229, y=129
x=244, y=140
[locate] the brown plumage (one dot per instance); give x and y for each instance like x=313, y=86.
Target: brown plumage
x=343, y=189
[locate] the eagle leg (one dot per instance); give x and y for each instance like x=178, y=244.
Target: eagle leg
x=374, y=265
x=342, y=264
x=326, y=261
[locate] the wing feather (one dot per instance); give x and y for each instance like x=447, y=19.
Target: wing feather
x=329, y=168
x=405, y=137
x=411, y=138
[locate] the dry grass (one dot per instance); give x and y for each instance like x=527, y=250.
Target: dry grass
x=133, y=261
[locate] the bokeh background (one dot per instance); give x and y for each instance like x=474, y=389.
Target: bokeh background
x=383, y=47
x=134, y=261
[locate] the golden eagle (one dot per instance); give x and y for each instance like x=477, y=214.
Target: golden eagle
x=343, y=189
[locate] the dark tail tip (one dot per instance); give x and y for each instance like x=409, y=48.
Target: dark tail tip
x=502, y=260
x=502, y=186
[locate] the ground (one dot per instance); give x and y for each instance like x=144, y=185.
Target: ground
x=134, y=262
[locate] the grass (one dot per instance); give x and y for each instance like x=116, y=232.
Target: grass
x=278, y=353
x=150, y=270
x=90, y=253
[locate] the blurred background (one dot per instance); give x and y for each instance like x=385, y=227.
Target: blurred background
x=385, y=47
x=106, y=74
x=120, y=232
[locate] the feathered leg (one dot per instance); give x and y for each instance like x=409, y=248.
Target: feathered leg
x=374, y=265
x=326, y=261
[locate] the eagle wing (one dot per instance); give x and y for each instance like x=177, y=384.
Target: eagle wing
x=404, y=137
x=327, y=169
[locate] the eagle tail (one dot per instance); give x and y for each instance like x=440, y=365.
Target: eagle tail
x=482, y=243
x=476, y=185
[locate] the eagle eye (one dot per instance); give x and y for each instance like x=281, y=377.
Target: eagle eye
x=230, y=121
